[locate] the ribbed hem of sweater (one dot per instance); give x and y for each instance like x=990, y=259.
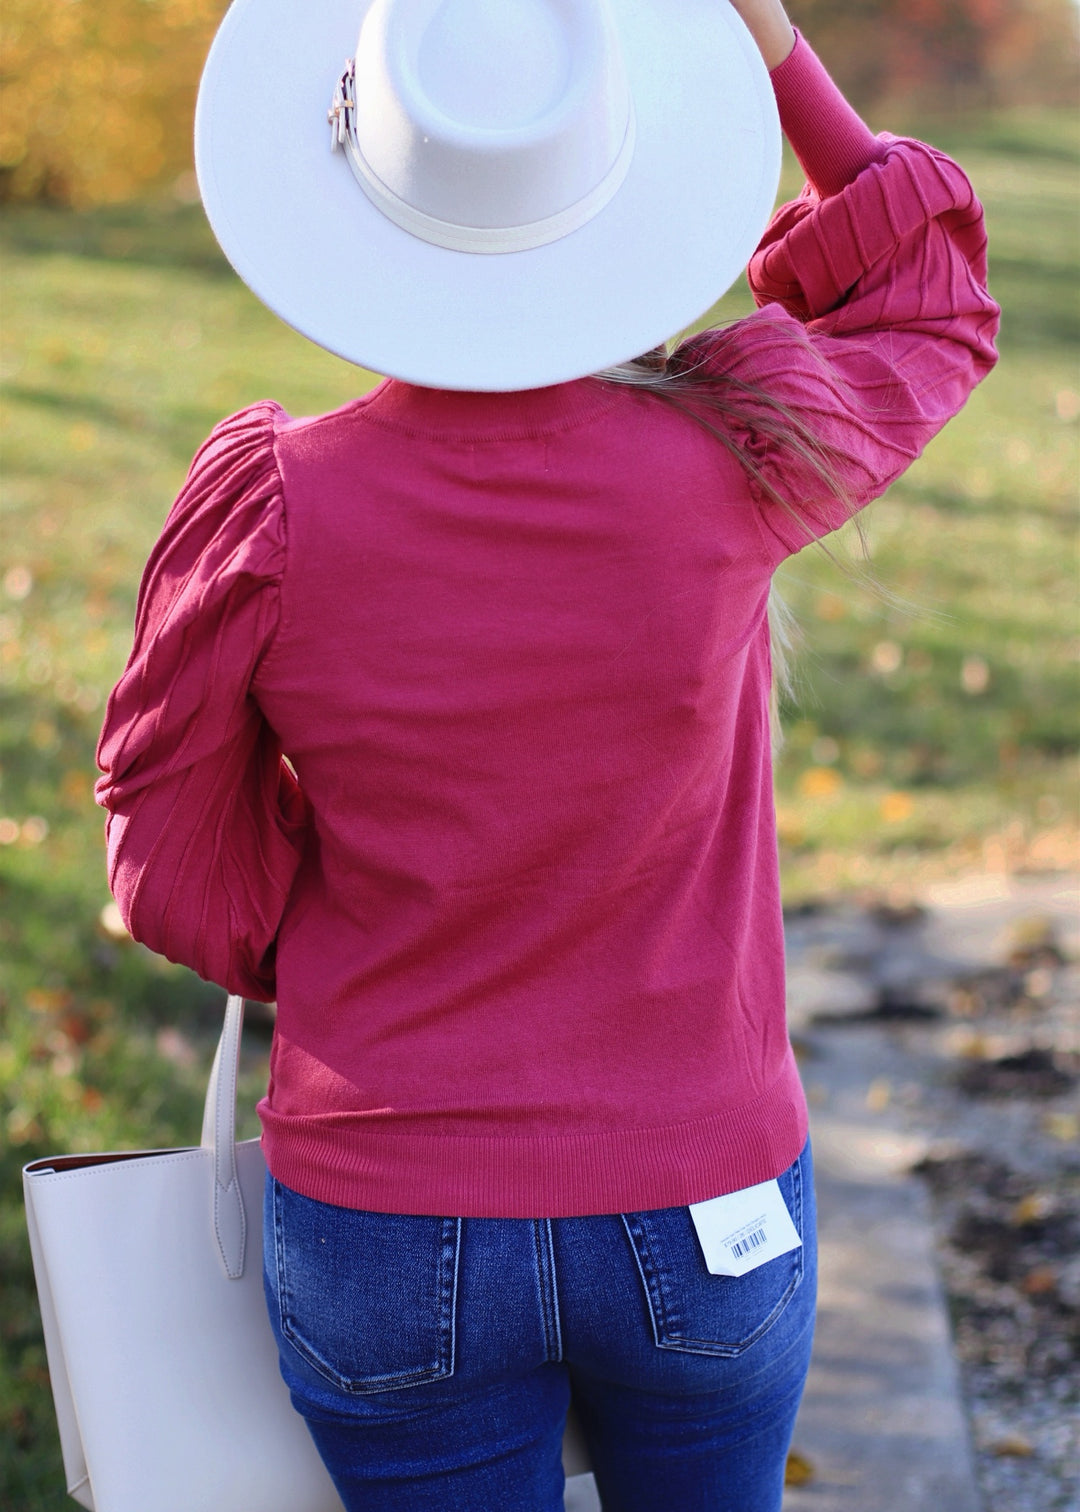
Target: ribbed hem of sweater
x=831, y=141
x=347, y=1161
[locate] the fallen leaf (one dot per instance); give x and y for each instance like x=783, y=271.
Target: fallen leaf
x=1012, y=1446
x=799, y=1471
x=1062, y=1126
x=1039, y=1282
x=878, y=1094
x=1031, y=1209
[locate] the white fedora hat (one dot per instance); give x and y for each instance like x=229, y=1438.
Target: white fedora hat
x=510, y=193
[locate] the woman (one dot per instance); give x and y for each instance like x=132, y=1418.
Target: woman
x=515, y=889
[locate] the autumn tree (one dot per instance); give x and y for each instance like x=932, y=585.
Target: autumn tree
x=96, y=96
x=947, y=55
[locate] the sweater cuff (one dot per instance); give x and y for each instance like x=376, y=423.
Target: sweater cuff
x=831, y=141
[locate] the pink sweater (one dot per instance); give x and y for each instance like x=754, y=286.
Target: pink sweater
x=520, y=906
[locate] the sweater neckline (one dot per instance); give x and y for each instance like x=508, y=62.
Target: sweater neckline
x=465, y=415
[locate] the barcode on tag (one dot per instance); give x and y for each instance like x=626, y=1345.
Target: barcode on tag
x=749, y=1242
x=744, y=1229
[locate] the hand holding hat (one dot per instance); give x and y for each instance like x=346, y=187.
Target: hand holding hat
x=767, y=23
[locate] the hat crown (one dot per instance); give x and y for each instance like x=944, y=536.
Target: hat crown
x=489, y=64
x=490, y=114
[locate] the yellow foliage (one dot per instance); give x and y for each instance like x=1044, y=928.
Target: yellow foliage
x=820, y=782
x=896, y=807
x=98, y=95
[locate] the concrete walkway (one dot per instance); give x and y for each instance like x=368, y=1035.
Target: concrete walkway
x=881, y=1426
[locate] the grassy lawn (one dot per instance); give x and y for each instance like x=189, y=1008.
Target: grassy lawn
x=934, y=730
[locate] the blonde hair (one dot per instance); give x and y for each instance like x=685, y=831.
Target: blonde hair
x=726, y=406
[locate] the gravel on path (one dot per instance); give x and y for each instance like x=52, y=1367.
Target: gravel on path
x=969, y=1002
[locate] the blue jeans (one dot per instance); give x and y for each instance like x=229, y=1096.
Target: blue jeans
x=434, y=1358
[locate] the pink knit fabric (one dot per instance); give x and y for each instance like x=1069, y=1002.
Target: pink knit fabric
x=520, y=907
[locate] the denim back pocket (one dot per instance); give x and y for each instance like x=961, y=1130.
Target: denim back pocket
x=368, y=1299
x=695, y=1312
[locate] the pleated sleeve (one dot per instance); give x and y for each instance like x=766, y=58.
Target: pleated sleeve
x=874, y=325
x=205, y=820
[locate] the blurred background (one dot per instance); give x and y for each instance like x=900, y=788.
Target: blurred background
x=933, y=732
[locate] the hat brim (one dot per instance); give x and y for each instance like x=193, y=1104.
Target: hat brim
x=301, y=233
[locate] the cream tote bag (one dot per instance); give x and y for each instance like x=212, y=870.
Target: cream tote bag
x=164, y=1368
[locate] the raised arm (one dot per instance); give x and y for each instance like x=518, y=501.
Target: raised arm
x=875, y=321
x=767, y=23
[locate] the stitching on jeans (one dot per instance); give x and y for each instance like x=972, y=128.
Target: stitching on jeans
x=668, y=1310
x=554, y=1291
x=449, y=1261
x=545, y=1283
x=643, y=1261
x=282, y=1265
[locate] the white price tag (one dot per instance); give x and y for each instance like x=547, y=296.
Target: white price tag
x=741, y=1230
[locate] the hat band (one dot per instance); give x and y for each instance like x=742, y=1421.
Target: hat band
x=456, y=238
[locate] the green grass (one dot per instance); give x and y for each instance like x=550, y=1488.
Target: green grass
x=125, y=339
x=924, y=741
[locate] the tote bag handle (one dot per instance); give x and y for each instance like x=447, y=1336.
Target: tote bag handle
x=219, y=1137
